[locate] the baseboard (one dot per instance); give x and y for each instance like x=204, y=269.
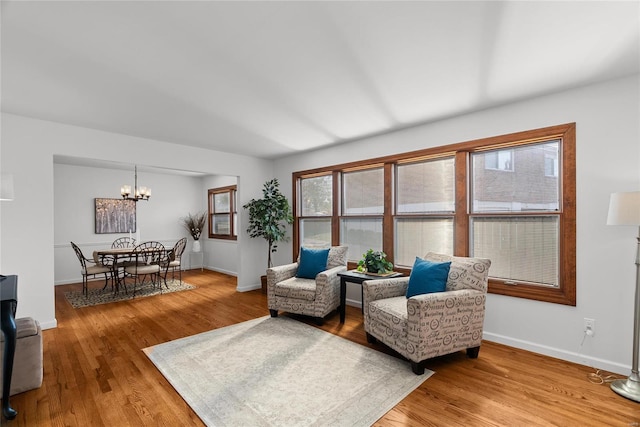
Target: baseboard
x=222, y=270
x=247, y=288
x=49, y=324
x=353, y=303
x=581, y=359
x=78, y=280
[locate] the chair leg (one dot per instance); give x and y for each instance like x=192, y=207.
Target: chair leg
x=319, y=321
x=161, y=279
x=124, y=282
x=106, y=281
x=165, y=278
x=473, y=352
x=371, y=339
x=417, y=367
x=273, y=313
x=135, y=282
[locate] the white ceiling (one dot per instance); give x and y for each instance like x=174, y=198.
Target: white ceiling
x=274, y=78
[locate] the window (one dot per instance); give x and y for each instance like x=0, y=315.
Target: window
x=315, y=211
x=529, y=188
x=223, y=213
x=457, y=199
x=523, y=241
x=362, y=211
x=425, y=207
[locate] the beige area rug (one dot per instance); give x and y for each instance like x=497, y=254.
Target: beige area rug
x=281, y=372
x=99, y=296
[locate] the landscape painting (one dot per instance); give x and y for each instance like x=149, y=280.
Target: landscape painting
x=115, y=216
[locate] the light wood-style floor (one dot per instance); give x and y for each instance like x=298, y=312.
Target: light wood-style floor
x=95, y=373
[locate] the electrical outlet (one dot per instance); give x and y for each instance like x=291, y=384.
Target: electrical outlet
x=590, y=327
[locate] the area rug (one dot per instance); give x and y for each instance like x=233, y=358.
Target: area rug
x=282, y=372
x=99, y=296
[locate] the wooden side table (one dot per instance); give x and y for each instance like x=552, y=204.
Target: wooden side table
x=354, y=276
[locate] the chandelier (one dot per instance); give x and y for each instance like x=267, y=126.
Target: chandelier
x=139, y=193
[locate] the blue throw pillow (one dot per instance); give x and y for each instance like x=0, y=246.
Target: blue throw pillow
x=427, y=277
x=312, y=262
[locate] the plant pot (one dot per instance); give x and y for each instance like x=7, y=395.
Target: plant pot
x=196, y=246
x=263, y=281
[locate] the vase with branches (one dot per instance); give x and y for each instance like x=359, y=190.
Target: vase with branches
x=194, y=223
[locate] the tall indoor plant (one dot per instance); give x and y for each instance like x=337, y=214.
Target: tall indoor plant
x=269, y=216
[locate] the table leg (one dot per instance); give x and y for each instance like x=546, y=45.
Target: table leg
x=116, y=279
x=343, y=298
x=116, y=275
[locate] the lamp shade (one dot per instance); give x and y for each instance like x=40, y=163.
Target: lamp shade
x=6, y=187
x=624, y=208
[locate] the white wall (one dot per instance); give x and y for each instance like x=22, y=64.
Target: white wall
x=608, y=160
x=76, y=187
x=27, y=223
x=221, y=254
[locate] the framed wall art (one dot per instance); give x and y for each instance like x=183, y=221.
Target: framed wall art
x=115, y=216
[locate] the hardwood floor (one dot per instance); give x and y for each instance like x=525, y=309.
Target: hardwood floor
x=95, y=373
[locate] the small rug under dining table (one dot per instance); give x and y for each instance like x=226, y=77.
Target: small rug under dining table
x=282, y=372
x=97, y=296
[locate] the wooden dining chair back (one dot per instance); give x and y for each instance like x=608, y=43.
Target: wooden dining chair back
x=147, y=259
x=90, y=268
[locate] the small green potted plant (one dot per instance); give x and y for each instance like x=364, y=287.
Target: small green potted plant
x=374, y=262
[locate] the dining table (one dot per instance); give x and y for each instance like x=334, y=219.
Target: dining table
x=118, y=257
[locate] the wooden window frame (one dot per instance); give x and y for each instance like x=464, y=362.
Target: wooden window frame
x=233, y=210
x=565, y=293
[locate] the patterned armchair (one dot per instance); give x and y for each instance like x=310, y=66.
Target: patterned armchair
x=433, y=324
x=309, y=297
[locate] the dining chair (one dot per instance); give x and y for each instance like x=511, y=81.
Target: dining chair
x=147, y=261
x=90, y=268
x=124, y=242
x=175, y=260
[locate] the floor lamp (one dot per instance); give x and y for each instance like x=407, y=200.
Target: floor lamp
x=624, y=209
